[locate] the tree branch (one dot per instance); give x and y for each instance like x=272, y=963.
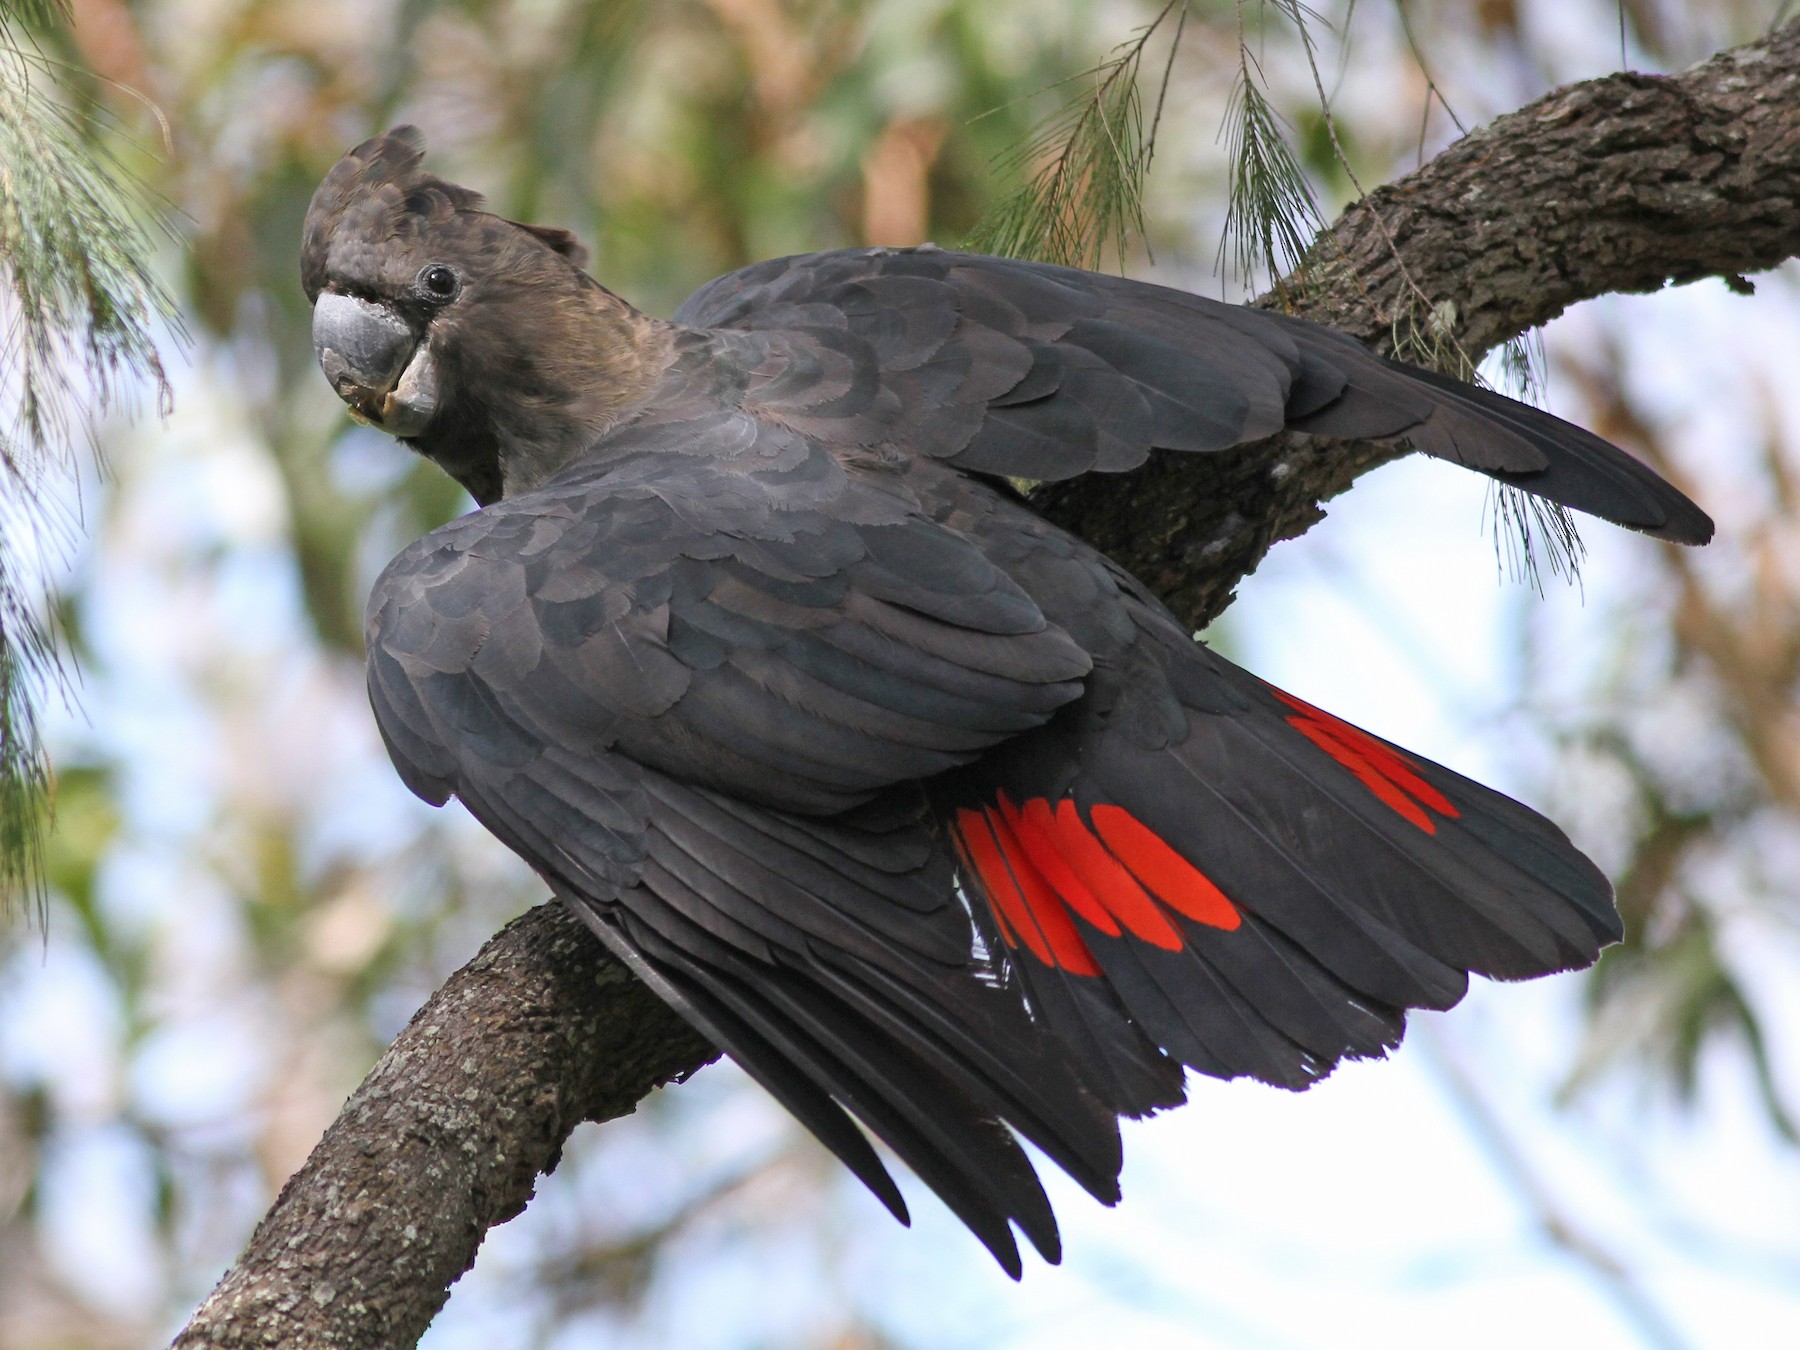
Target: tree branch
x=1620, y=184
x=445, y=1138
x=1625, y=183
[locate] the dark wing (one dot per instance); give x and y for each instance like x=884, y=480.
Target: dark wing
x=576, y=662
x=708, y=623
x=1029, y=370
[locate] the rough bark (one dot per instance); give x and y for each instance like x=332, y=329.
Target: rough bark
x=1620, y=184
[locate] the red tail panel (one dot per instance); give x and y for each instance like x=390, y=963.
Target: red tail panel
x=1039, y=861
x=1033, y=826
x=1385, y=772
x=1024, y=905
x=1066, y=945
x=1103, y=874
x=1177, y=882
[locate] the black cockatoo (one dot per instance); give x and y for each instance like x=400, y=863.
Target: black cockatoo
x=924, y=811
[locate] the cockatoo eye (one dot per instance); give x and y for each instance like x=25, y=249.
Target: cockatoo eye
x=438, y=281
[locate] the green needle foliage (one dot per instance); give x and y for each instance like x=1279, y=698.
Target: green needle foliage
x=76, y=318
x=33, y=14
x=1085, y=164
x=1271, y=217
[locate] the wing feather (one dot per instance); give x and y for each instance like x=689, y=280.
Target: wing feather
x=1027, y=370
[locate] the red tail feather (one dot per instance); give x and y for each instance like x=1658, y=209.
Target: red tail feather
x=1384, y=771
x=1176, y=881
x=1037, y=862
x=1024, y=905
x=1062, y=830
x=1030, y=825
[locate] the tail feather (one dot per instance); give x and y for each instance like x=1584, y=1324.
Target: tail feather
x=1268, y=895
x=1380, y=849
x=821, y=1061
x=1225, y=1001
x=1122, y=1067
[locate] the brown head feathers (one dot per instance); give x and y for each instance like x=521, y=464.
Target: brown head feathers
x=377, y=192
x=478, y=340
x=380, y=192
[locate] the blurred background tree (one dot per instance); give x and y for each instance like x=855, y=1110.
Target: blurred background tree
x=244, y=904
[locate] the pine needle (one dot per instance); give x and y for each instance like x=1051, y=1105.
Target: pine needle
x=1530, y=535
x=76, y=315
x=1084, y=166
x=1271, y=216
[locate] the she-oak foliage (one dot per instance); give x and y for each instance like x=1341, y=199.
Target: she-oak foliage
x=76, y=331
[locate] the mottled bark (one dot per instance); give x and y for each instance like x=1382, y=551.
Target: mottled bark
x=1620, y=184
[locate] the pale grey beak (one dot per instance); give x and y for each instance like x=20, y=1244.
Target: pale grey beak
x=375, y=363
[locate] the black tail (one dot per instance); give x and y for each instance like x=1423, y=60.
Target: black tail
x=832, y=960
x=1268, y=895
